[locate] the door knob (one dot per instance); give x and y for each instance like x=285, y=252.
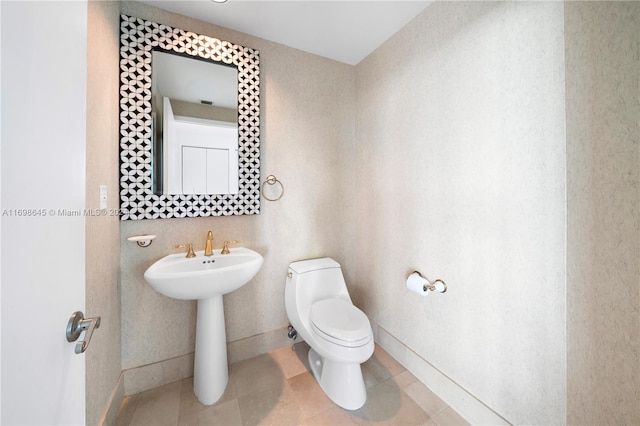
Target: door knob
x=76, y=325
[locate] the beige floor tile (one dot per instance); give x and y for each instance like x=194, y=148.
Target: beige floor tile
x=266, y=390
x=127, y=409
x=226, y=413
x=380, y=367
x=160, y=406
x=370, y=379
x=393, y=366
x=310, y=398
x=270, y=407
x=188, y=418
x=186, y=384
x=335, y=416
x=190, y=407
x=256, y=375
x=404, y=379
x=189, y=404
x=189, y=400
x=293, y=360
x=425, y=398
x=387, y=404
x=449, y=417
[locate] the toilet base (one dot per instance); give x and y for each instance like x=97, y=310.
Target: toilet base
x=343, y=383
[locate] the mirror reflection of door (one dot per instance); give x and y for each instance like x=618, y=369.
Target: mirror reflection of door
x=195, y=147
x=205, y=170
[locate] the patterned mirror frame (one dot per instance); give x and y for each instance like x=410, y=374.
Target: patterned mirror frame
x=138, y=39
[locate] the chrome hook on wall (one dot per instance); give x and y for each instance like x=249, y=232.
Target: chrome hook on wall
x=76, y=325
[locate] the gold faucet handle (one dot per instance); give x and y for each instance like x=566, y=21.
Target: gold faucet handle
x=225, y=247
x=189, y=247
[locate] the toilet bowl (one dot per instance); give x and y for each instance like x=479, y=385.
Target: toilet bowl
x=339, y=334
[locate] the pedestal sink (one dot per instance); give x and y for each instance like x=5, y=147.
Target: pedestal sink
x=206, y=279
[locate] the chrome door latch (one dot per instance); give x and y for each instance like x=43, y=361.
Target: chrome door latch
x=76, y=325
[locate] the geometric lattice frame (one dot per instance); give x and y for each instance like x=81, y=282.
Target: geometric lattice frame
x=138, y=39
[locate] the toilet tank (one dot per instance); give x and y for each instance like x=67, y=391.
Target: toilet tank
x=312, y=280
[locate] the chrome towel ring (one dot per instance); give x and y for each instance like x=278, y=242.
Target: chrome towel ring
x=272, y=180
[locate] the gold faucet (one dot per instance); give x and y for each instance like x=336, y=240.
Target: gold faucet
x=208, y=249
x=225, y=247
x=189, y=247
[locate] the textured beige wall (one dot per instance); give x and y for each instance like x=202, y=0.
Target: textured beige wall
x=460, y=160
x=102, y=232
x=307, y=136
x=603, y=181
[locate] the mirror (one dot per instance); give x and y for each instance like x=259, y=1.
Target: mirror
x=194, y=106
x=189, y=146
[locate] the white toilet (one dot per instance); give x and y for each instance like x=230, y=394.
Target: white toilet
x=320, y=309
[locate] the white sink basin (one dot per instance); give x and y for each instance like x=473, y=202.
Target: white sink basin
x=202, y=277
x=206, y=279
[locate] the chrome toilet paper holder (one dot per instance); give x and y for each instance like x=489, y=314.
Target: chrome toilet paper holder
x=431, y=286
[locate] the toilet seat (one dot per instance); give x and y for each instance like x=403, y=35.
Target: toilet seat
x=340, y=322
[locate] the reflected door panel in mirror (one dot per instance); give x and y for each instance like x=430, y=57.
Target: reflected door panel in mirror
x=231, y=160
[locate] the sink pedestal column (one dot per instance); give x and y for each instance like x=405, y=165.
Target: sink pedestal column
x=210, y=371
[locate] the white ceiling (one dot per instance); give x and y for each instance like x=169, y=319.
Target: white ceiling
x=183, y=79
x=346, y=31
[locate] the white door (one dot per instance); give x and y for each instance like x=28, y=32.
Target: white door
x=43, y=195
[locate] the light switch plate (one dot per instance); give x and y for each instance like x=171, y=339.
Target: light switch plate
x=103, y=197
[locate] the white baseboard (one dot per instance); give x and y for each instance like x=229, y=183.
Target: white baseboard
x=463, y=402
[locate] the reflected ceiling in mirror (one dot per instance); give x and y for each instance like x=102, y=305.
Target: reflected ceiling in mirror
x=138, y=40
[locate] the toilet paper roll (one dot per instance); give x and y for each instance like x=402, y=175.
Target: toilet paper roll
x=416, y=284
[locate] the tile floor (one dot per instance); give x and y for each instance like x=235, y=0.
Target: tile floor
x=278, y=389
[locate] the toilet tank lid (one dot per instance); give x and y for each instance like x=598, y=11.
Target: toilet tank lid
x=303, y=266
